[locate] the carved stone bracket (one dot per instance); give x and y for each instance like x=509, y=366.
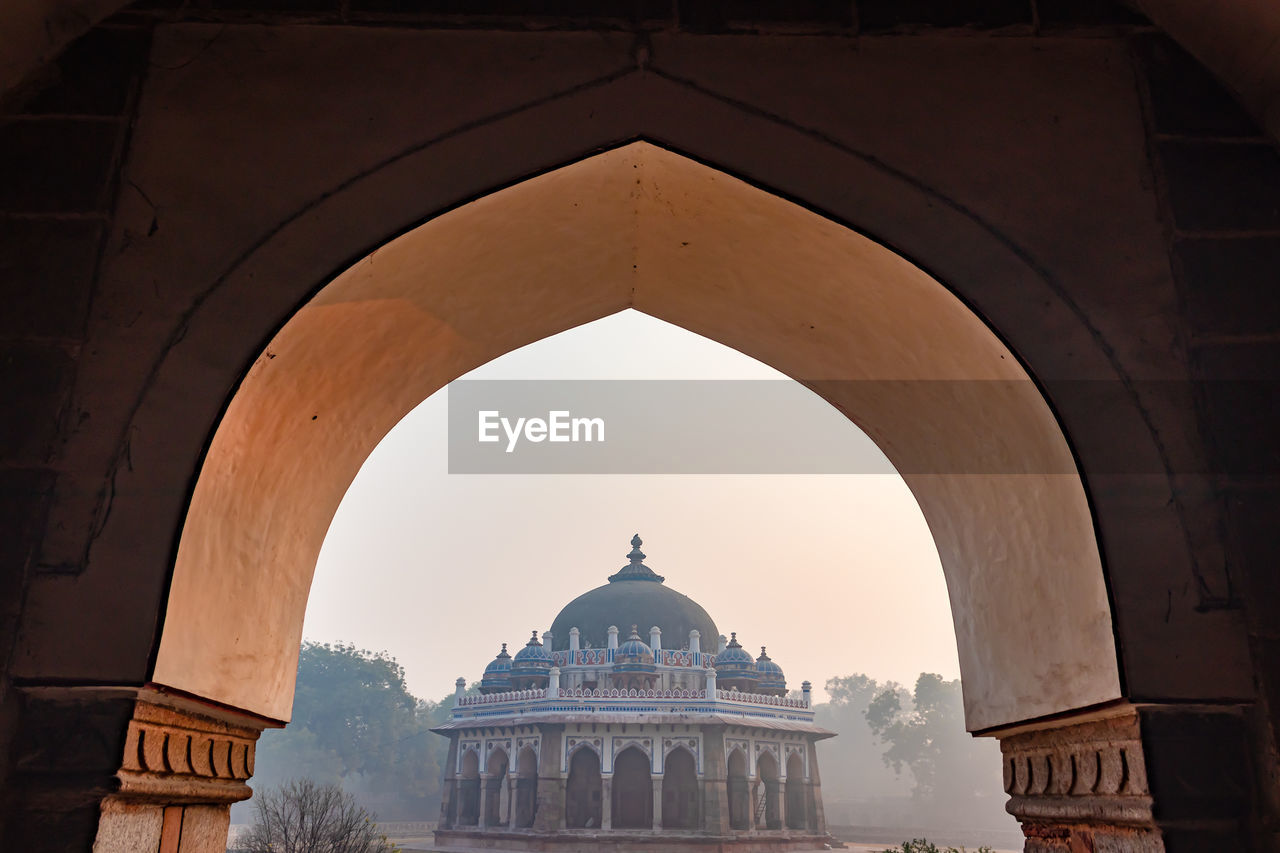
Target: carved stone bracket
x=177, y=756
x=1081, y=786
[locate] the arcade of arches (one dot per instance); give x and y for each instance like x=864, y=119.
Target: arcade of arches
x=237, y=247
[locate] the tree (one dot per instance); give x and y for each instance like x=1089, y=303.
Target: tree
x=851, y=765
x=302, y=816
x=356, y=724
x=953, y=771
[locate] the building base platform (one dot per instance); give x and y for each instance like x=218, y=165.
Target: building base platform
x=626, y=841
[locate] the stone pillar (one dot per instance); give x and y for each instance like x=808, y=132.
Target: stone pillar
x=449, y=790
x=695, y=641
x=782, y=798
x=606, y=802
x=483, y=822
x=513, y=800
x=504, y=801
x=573, y=641
x=711, y=683
x=818, y=817
x=459, y=690
x=657, y=802
x=655, y=642
x=1145, y=778
x=715, y=787
x=550, y=808
x=127, y=769
x=553, y=683
x=613, y=637
x=806, y=689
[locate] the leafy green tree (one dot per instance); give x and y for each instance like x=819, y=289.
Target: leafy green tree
x=356, y=724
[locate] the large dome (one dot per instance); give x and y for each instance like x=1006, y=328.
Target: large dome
x=634, y=596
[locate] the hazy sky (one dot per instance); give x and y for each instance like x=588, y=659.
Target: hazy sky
x=835, y=574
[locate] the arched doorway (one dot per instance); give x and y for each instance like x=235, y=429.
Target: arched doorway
x=739, y=792
x=496, y=789
x=469, y=790
x=582, y=796
x=632, y=803
x=797, y=794
x=901, y=355
x=680, y=790
x=526, y=787
x=768, y=804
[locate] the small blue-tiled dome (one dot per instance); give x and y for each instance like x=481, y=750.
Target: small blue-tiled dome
x=771, y=676
x=634, y=655
x=497, y=675
x=532, y=659
x=735, y=662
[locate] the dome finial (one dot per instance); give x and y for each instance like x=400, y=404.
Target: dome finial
x=636, y=570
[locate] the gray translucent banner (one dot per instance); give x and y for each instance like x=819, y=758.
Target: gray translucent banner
x=786, y=427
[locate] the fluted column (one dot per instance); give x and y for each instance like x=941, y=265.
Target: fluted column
x=483, y=822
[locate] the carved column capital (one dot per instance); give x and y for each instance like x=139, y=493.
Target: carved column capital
x=1090, y=771
x=179, y=755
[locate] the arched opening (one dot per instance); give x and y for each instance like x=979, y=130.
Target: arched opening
x=526, y=788
x=768, y=802
x=739, y=791
x=469, y=790
x=632, y=803
x=680, y=791
x=797, y=794
x=582, y=796
x=496, y=790
x=865, y=329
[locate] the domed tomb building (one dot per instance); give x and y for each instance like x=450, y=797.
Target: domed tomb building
x=617, y=729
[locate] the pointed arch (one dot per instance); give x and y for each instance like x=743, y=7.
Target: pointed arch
x=1016, y=537
x=680, y=790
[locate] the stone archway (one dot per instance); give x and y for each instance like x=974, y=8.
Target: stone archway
x=583, y=800
x=469, y=789
x=154, y=389
x=896, y=352
x=632, y=806
x=496, y=790
x=739, y=791
x=526, y=788
x=680, y=790
x=769, y=794
x=796, y=793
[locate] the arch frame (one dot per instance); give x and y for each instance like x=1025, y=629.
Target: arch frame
x=164, y=670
